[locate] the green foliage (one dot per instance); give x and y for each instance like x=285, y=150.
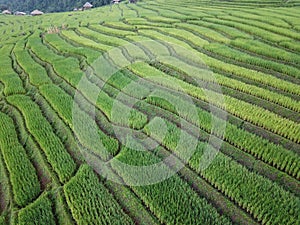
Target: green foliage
x=206, y=32
x=102, y=38
x=268, y=152
x=227, y=68
x=23, y=176
x=90, y=202
x=36, y=73
x=261, y=48
x=64, y=106
x=61, y=45
x=239, y=56
x=199, y=75
x=186, y=35
x=2, y=220
x=248, y=189
x=11, y=80
x=128, y=84
x=70, y=71
x=40, y=128
x=172, y=200
x=250, y=39
x=117, y=28
x=228, y=31
x=283, y=32
x=252, y=29
x=72, y=36
x=38, y=212
x=49, y=6
x=246, y=111
x=295, y=46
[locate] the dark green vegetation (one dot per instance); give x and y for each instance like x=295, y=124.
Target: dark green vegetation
x=252, y=48
x=48, y=5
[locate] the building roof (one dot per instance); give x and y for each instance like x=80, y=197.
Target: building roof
x=36, y=12
x=6, y=12
x=20, y=13
x=87, y=5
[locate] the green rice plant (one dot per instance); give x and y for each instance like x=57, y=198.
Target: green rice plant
x=36, y=72
x=126, y=11
x=248, y=189
x=162, y=198
x=69, y=57
x=266, y=50
x=64, y=106
x=201, y=75
x=161, y=19
x=117, y=29
x=42, y=131
x=288, y=16
x=272, y=154
x=38, y=212
x=82, y=41
x=118, y=80
x=259, y=92
x=186, y=35
x=254, y=75
x=295, y=46
x=253, y=30
x=12, y=82
x=272, y=28
x=143, y=12
x=119, y=26
x=113, y=14
x=129, y=84
x=61, y=45
x=194, y=12
x=115, y=110
x=60, y=208
x=246, y=111
x=272, y=17
x=102, y=38
x=140, y=23
x=112, y=40
x=229, y=31
x=213, y=63
x=90, y=202
x=240, y=56
x=23, y=177
x=204, y=31
x=69, y=70
x=169, y=13
x=153, y=34
x=148, y=44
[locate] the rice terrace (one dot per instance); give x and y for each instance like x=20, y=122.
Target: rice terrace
x=151, y=112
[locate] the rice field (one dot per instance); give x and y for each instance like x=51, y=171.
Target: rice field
x=88, y=99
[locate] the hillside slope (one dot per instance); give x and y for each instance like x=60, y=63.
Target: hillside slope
x=160, y=112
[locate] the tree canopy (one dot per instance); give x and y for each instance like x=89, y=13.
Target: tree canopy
x=47, y=5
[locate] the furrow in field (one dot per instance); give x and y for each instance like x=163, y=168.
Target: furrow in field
x=6, y=196
x=224, y=53
x=41, y=129
x=50, y=92
x=250, y=89
x=220, y=174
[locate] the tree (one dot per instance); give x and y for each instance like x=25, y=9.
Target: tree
x=47, y=5
x=3, y=7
